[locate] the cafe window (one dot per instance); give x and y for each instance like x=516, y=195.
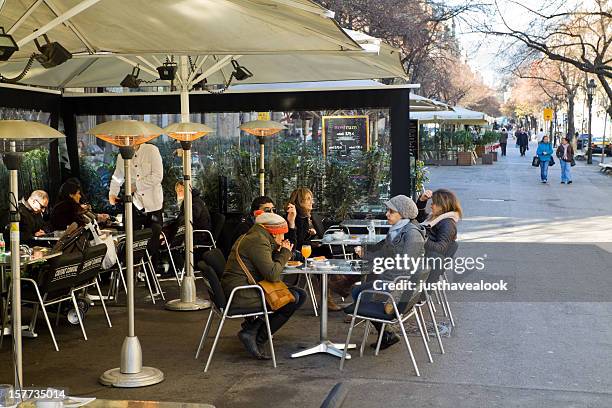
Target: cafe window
x=346, y=163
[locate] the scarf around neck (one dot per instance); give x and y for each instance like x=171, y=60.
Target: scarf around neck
x=395, y=228
x=433, y=221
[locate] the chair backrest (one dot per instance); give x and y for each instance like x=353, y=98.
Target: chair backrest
x=61, y=273
x=141, y=242
x=217, y=221
x=213, y=285
x=92, y=263
x=409, y=299
x=215, y=259
x=178, y=240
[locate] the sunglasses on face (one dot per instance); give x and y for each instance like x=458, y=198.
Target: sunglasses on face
x=269, y=209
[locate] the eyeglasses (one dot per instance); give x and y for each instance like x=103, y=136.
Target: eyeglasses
x=42, y=207
x=269, y=209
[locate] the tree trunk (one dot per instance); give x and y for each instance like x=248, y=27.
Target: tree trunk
x=571, y=127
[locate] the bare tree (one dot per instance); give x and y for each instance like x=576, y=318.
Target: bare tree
x=581, y=38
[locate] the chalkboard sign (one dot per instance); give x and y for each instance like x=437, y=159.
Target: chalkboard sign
x=345, y=136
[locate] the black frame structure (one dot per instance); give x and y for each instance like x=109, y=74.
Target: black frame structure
x=395, y=99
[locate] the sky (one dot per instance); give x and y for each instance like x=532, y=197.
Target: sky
x=485, y=53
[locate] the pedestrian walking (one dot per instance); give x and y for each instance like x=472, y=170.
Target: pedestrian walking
x=503, y=141
x=522, y=141
x=565, y=153
x=544, y=153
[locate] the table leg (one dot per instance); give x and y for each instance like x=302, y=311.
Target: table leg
x=324, y=346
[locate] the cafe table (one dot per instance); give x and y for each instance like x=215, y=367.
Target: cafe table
x=379, y=224
x=324, y=269
x=351, y=240
x=38, y=255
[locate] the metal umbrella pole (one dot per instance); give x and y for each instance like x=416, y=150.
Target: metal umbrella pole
x=188, y=300
x=12, y=160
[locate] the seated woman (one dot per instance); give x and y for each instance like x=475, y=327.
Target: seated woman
x=441, y=225
x=264, y=251
x=69, y=208
x=308, y=225
x=405, y=237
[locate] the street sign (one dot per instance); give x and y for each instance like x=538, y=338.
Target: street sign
x=548, y=114
x=263, y=115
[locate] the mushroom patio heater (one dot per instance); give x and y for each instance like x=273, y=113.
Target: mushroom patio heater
x=262, y=129
x=126, y=134
x=187, y=133
x=17, y=137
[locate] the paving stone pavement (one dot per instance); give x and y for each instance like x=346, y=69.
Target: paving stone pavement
x=546, y=342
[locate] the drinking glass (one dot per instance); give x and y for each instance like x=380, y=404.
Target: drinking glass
x=306, y=252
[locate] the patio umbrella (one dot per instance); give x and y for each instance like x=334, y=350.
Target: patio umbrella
x=262, y=129
x=458, y=115
x=17, y=137
x=126, y=134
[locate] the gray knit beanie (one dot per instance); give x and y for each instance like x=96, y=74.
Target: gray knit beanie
x=404, y=206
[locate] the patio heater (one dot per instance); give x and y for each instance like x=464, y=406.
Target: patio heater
x=262, y=129
x=17, y=137
x=126, y=134
x=186, y=133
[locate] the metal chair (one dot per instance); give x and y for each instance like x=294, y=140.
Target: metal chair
x=90, y=269
x=142, y=258
x=377, y=314
x=55, y=285
x=222, y=308
x=176, y=244
x=343, y=254
x=441, y=296
x=215, y=259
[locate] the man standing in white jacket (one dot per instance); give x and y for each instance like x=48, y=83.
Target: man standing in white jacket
x=147, y=194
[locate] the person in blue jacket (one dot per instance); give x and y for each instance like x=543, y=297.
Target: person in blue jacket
x=544, y=152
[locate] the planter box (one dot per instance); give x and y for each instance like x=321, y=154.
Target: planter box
x=494, y=156
x=464, y=158
x=487, y=158
x=441, y=162
x=480, y=150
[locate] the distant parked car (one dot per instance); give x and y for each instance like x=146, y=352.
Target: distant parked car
x=582, y=140
x=597, y=143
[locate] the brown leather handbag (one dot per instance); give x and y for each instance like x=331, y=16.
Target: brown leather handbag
x=277, y=294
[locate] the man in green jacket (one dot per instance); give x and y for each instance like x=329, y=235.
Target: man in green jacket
x=264, y=251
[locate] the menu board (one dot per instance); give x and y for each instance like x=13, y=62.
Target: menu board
x=345, y=136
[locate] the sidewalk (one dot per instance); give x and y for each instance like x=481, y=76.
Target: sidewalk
x=530, y=347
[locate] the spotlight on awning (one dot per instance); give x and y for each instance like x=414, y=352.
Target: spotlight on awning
x=132, y=80
x=167, y=71
x=51, y=54
x=240, y=72
x=7, y=45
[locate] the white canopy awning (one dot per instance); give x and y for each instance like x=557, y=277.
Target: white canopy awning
x=377, y=60
x=221, y=27
x=459, y=115
x=277, y=40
